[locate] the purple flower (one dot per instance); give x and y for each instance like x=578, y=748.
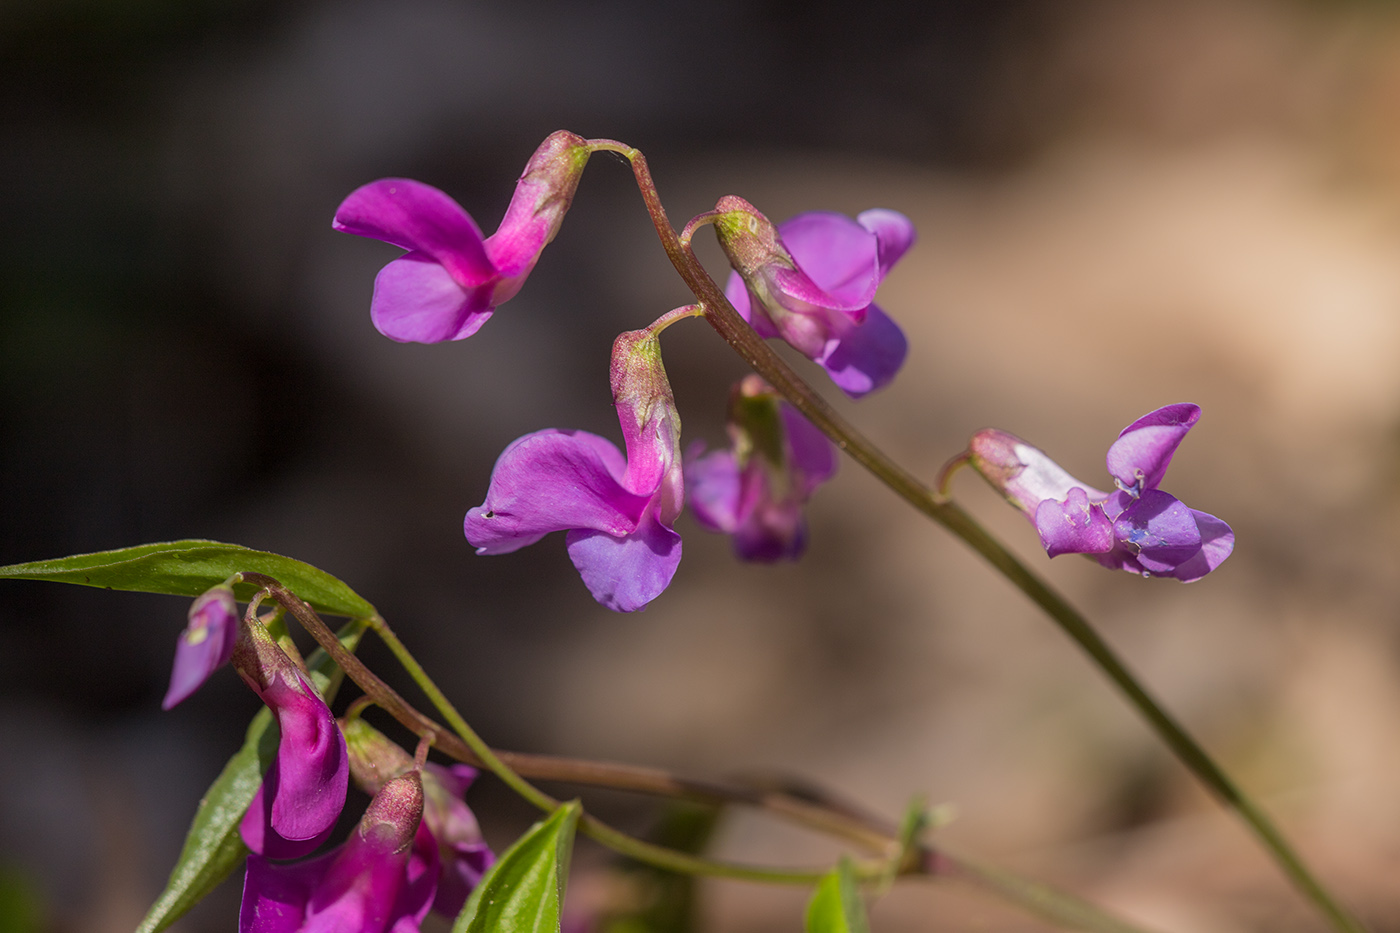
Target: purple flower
x=382, y=879
x=812, y=281
x=452, y=278
x=462, y=853
x=617, y=511
x=205, y=645
x=1137, y=527
x=303, y=791
x=755, y=491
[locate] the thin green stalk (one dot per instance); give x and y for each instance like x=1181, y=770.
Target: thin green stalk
x=736, y=331
x=1039, y=899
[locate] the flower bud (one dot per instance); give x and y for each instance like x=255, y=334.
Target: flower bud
x=375, y=759
x=205, y=645
x=542, y=197
x=1024, y=474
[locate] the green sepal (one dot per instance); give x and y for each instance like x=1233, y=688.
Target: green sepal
x=524, y=891
x=213, y=848
x=188, y=568
x=837, y=907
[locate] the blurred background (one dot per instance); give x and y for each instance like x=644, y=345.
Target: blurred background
x=1121, y=205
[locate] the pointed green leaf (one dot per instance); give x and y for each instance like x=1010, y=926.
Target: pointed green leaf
x=213, y=848
x=524, y=891
x=188, y=568
x=837, y=907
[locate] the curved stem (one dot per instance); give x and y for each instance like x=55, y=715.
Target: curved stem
x=755, y=351
x=467, y=745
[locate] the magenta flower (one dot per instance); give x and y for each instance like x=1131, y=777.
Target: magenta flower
x=617, y=511
x=382, y=879
x=205, y=645
x=756, y=490
x=1137, y=527
x=303, y=791
x=812, y=281
x=462, y=853
x=452, y=278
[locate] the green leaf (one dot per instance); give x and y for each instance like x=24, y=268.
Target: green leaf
x=524, y=891
x=188, y=568
x=836, y=907
x=213, y=848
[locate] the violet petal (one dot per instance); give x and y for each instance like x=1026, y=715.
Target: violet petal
x=256, y=825
x=894, y=234
x=416, y=300
x=839, y=257
x=772, y=531
x=1217, y=541
x=275, y=896
x=1139, y=458
x=553, y=480
x=813, y=456
x=627, y=572
x=1074, y=526
x=313, y=767
x=416, y=216
x=1159, y=530
x=712, y=488
x=867, y=356
x=205, y=645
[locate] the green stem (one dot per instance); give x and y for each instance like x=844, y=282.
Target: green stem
x=755, y=351
x=1040, y=899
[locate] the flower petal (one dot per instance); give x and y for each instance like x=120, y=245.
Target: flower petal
x=1139, y=458
x=893, y=232
x=542, y=196
x=772, y=530
x=256, y=826
x=205, y=645
x=553, y=480
x=416, y=216
x=304, y=790
x=813, y=456
x=1159, y=530
x=712, y=488
x=417, y=301
x=313, y=768
x=625, y=573
x=867, y=356
x=1217, y=542
x=1074, y=526
x=840, y=259
x=275, y=896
